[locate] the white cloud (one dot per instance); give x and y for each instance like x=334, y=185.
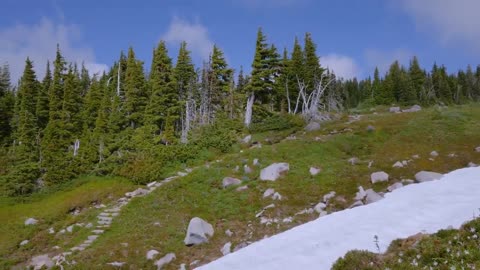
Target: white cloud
x=39, y=41
x=343, y=66
x=195, y=34
x=383, y=59
x=453, y=21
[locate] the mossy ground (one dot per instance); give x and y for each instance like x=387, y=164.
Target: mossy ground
x=454, y=130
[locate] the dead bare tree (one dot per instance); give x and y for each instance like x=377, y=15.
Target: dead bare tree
x=249, y=109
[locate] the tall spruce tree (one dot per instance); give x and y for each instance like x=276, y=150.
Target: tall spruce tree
x=135, y=90
x=42, y=106
x=185, y=77
x=7, y=104
x=221, y=80
x=312, y=69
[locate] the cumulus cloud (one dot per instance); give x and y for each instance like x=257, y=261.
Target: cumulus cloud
x=38, y=42
x=453, y=21
x=343, y=66
x=195, y=34
x=383, y=59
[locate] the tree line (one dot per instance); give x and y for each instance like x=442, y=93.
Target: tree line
x=130, y=122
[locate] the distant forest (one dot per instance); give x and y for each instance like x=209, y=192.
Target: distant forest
x=135, y=124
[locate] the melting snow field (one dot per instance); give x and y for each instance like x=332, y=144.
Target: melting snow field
x=426, y=207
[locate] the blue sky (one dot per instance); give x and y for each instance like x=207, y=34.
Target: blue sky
x=352, y=36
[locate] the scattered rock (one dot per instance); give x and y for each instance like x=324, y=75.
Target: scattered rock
x=425, y=176
x=226, y=249
x=287, y=220
x=395, y=109
x=414, y=108
x=269, y=192
x=416, y=156
x=151, y=254
x=229, y=233
x=24, y=242
x=138, y=192
x=356, y=204
x=182, y=267
x=247, y=139
x=452, y=155
x=198, y=232
x=182, y=174
x=327, y=197
x=314, y=171
x=408, y=181
x=97, y=231
x=165, y=260
x=434, y=154
x=256, y=162
x=471, y=165
x=370, y=128
x=230, y=181
x=370, y=164
x=240, y=246
x=194, y=262
x=360, y=195
x=372, y=196
x=41, y=261
x=378, y=177
x=320, y=207
x=395, y=186
x=51, y=231
x=116, y=264
x=242, y=188
x=277, y=196
x=274, y=171
x=312, y=126
x=256, y=146
x=31, y=221
x=398, y=164
x=477, y=149
x=353, y=161
x=247, y=169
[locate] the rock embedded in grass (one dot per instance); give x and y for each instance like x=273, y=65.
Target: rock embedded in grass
x=395, y=109
x=226, y=249
x=379, y=177
x=269, y=192
x=477, y=149
x=395, y=186
x=137, y=193
x=425, y=176
x=434, y=154
x=198, y=232
x=247, y=169
x=24, y=242
x=372, y=196
x=31, y=221
x=151, y=254
x=247, y=139
x=230, y=181
x=165, y=260
x=312, y=126
x=274, y=171
x=242, y=188
x=314, y=171
x=398, y=164
x=353, y=161
x=41, y=261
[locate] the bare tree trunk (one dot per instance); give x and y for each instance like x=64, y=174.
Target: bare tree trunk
x=76, y=146
x=249, y=110
x=118, y=80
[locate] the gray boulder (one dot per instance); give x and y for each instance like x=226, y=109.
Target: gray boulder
x=398, y=164
x=165, y=260
x=274, y=171
x=242, y=188
x=226, y=249
x=477, y=149
x=434, y=154
x=395, y=186
x=372, y=196
x=198, y=232
x=151, y=254
x=414, y=108
x=31, y=221
x=230, y=181
x=314, y=171
x=378, y=177
x=425, y=176
x=395, y=109
x=247, y=139
x=370, y=128
x=312, y=126
x=269, y=192
x=41, y=261
x=320, y=207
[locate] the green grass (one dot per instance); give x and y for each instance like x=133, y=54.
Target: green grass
x=444, y=250
x=396, y=137
x=51, y=209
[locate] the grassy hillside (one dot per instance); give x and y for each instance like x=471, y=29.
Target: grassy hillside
x=159, y=220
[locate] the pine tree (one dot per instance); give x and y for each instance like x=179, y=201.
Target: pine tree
x=84, y=81
x=72, y=106
x=312, y=68
x=417, y=80
x=135, y=90
x=7, y=104
x=389, y=91
x=441, y=84
x=164, y=98
x=93, y=101
x=221, y=79
x=42, y=106
x=296, y=70
x=27, y=122
x=185, y=78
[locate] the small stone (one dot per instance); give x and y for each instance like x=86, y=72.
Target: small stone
x=472, y=165
x=242, y=188
x=405, y=162
x=408, y=181
x=312, y=126
x=226, y=249
x=40, y=261
x=434, y=154
x=370, y=128
x=31, y=221
x=151, y=254
x=395, y=109
x=394, y=186
x=287, y=220
x=356, y=204
x=314, y=171
x=256, y=162
x=276, y=196
x=165, y=260
x=378, y=177
x=425, y=176
x=398, y=164
x=230, y=181
x=24, y=242
x=269, y=192
x=327, y=197
x=274, y=171
x=152, y=184
x=320, y=207
x=247, y=139
x=247, y=169
x=305, y=211
x=360, y=195
x=477, y=149
x=194, y=262
x=416, y=156
x=372, y=196
x=182, y=267
x=92, y=237
x=229, y=233
x=116, y=264
x=124, y=244
x=182, y=174
x=97, y=231
x=353, y=161
x=51, y=231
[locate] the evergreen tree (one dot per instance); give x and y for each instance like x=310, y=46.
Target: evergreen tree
x=296, y=70
x=7, y=102
x=417, y=81
x=42, y=106
x=312, y=69
x=135, y=90
x=164, y=98
x=72, y=106
x=221, y=79
x=185, y=77
x=441, y=84
x=389, y=91
x=93, y=101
